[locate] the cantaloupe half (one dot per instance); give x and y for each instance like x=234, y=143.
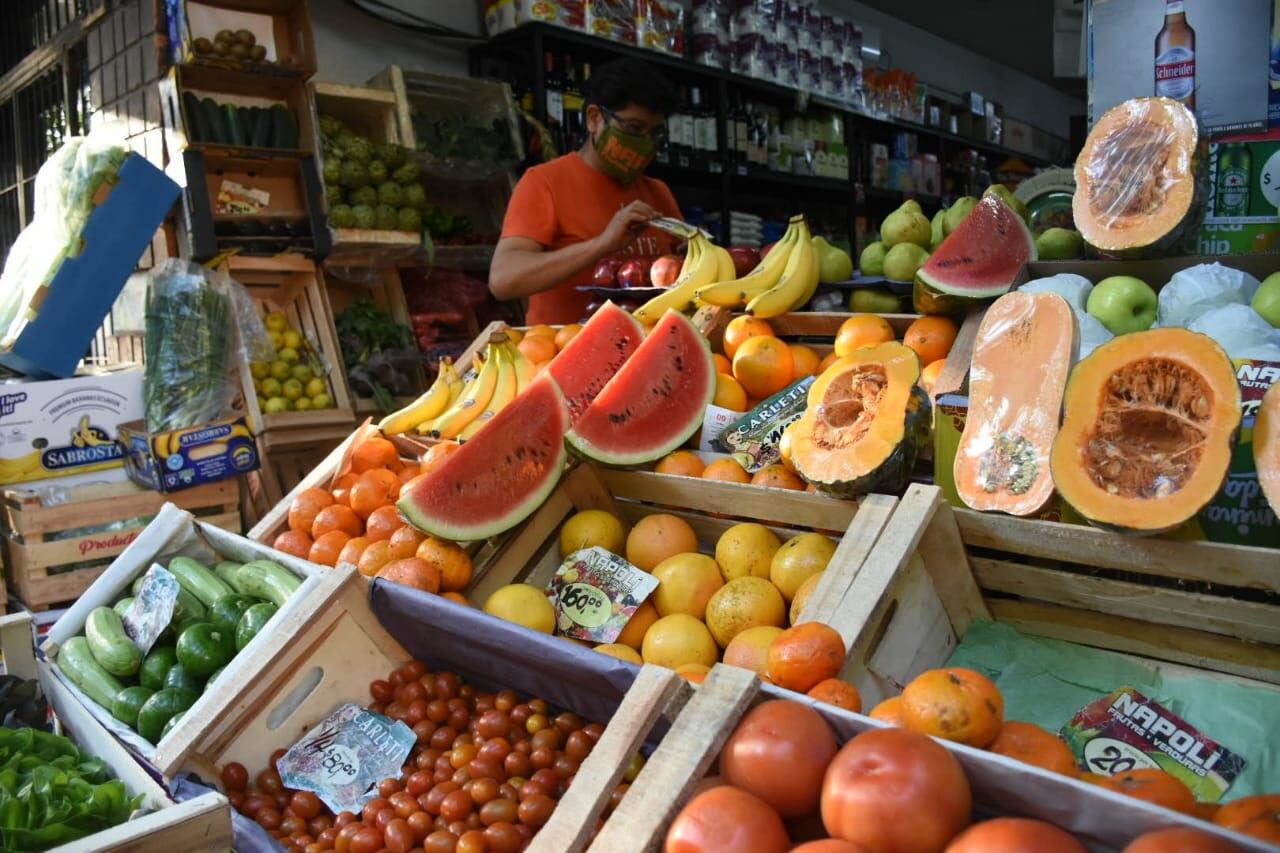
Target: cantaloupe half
x=1266, y=446
x=1021, y=359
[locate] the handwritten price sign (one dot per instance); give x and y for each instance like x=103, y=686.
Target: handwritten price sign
x=595, y=593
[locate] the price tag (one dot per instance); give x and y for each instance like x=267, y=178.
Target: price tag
x=715, y=420
x=152, y=608
x=595, y=593
x=345, y=756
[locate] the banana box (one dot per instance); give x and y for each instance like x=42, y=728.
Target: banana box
x=66, y=428
x=191, y=456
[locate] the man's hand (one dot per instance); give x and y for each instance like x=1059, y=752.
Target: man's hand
x=625, y=225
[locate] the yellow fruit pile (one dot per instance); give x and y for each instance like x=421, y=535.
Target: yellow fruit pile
x=293, y=379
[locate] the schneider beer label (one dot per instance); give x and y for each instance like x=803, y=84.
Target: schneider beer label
x=1126, y=731
x=1176, y=73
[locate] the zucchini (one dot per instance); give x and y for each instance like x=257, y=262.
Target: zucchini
x=235, y=125
x=128, y=702
x=267, y=580
x=156, y=665
x=77, y=663
x=109, y=644
x=198, y=580
x=226, y=570
x=261, y=127
x=251, y=623
x=157, y=711
x=122, y=606
x=284, y=128
x=226, y=611
x=197, y=128
x=204, y=647
x=215, y=121
x=180, y=676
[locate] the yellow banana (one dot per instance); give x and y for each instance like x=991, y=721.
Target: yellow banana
x=726, y=270
x=430, y=405
x=797, y=282
x=690, y=255
x=473, y=401
x=680, y=294
x=504, y=391
x=730, y=294
x=526, y=371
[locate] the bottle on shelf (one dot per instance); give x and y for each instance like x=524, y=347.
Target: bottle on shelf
x=685, y=124
x=554, y=88
x=737, y=132
x=575, y=125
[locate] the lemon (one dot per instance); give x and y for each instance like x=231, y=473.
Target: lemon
x=276, y=405
x=291, y=389
x=301, y=404
x=686, y=583
x=292, y=339
x=288, y=355
x=270, y=387
x=275, y=321
x=321, y=401
x=746, y=550
x=524, y=605
x=315, y=387
x=259, y=369
x=621, y=652
x=277, y=340
x=589, y=528
x=302, y=372
x=280, y=370
x=262, y=403
x=797, y=559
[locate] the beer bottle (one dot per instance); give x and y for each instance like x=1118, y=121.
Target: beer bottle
x=1232, y=188
x=1175, y=75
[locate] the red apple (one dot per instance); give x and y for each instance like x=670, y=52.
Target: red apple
x=745, y=259
x=665, y=270
x=606, y=274
x=635, y=272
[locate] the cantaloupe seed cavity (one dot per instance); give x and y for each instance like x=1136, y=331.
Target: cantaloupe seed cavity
x=1150, y=436
x=849, y=406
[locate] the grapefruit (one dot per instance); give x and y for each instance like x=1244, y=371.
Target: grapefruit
x=744, y=603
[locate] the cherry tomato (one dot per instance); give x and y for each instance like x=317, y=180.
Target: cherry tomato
x=412, y=691
x=398, y=836
x=505, y=700
x=418, y=783
x=371, y=809
x=578, y=746
x=569, y=722
x=593, y=731
x=565, y=768
x=255, y=803
x=536, y=810
x=305, y=805
x=275, y=757
x=367, y=840
x=443, y=737
x=404, y=804
x=269, y=781
x=382, y=818
x=517, y=764
x=471, y=841
x=387, y=787
x=440, y=841
x=435, y=797
x=235, y=777
x=456, y=805
x=498, y=811
x=503, y=838
x=382, y=691
x=342, y=843
x=341, y=819
x=269, y=819
x=421, y=824
x=549, y=738
x=319, y=824
x=447, y=685
x=536, y=723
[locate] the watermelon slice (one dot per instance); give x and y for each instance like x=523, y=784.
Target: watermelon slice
x=977, y=261
x=499, y=477
x=596, y=353
x=654, y=403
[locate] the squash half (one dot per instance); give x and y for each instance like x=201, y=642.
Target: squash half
x=1021, y=358
x=1151, y=418
x=1266, y=446
x=865, y=422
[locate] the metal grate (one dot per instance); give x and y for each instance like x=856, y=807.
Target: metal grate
x=26, y=25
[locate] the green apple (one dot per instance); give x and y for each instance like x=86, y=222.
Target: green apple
x=1267, y=300
x=1123, y=304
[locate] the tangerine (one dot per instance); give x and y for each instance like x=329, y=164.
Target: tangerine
x=410, y=571
x=566, y=334
x=1257, y=816
x=337, y=517
x=694, y=673
x=750, y=649
x=305, y=505
x=456, y=596
x=408, y=473
x=954, y=704
x=1030, y=744
x=777, y=476
x=374, y=489
x=931, y=337
x=804, y=655
x=293, y=542
x=540, y=329
x=744, y=603
x=723, y=365
x=763, y=366
x=592, y=528
x=436, y=454
x=326, y=549
x=342, y=488
x=374, y=557
x=374, y=452
x=929, y=375
x=741, y=329
x=1015, y=835
x=641, y=620
x=827, y=360
x=352, y=550
x=453, y=563
x=657, y=537
x=842, y=694
x=382, y=523
x=1156, y=786
x=726, y=470
x=538, y=348
x=889, y=711
x=681, y=463
x=729, y=394
x=405, y=542
x=805, y=361
x=862, y=330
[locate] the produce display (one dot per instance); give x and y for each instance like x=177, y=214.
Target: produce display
x=216, y=613
x=369, y=185
x=293, y=379
x=22, y=703
x=380, y=355
x=235, y=44
x=239, y=125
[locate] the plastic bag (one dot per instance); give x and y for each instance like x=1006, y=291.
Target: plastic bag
x=1241, y=331
x=188, y=346
x=1092, y=334
x=255, y=342
x=1196, y=290
x=1071, y=287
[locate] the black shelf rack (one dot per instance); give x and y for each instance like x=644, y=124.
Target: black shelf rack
x=519, y=53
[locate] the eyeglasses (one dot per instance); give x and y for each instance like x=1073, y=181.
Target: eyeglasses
x=657, y=134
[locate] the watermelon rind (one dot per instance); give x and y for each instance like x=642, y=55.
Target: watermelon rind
x=493, y=442
x=679, y=432
x=594, y=355
x=934, y=293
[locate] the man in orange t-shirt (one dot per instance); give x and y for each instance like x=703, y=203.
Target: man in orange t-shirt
x=566, y=215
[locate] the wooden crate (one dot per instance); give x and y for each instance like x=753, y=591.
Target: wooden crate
x=285, y=25
x=293, y=285
x=203, y=823
x=282, y=470
x=384, y=288
x=1104, y=819
x=242, y=90
x=54, y=553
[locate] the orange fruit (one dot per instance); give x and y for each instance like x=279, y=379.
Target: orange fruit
x=326, y=549
x=566, y=334
x=374, y=452
x=763, y=366
x=375, y=556
x=842, y=694
x=863, y=330
x=449, y=560
x=889, y=711
x=633, y=632
x=435, y=455
x=405, y=542
x=538, y=348
x=293, y=542
x=342, y=488
x=723, y=365
x=681, y=463
x=456, y=596
x=954, y=704
x=1030, y=744
x=727, y=470
x=744, y=603
x=931, y=337
x=777, y=476
x=514, y=335
x=374, y=489
x=729, y=394
x=805, y=361
x=407, y=473
x=303, y=508
x=804, y=655
x=685, y=583
x=929, y=375
x=750, y=649
x=678, y=639
x=352, y=550
x=1180, y=840
x=694, y=673
x=827, y=360
x=540, y=329
x=656, y=537
x=337, y=517
x=382, y=522
x=742, y=328
x=413, y=572
x=409, y=485
x=1257, y=816
x=1156, y=786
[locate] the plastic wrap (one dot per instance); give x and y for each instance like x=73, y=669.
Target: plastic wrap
x=612, y=19
x=660, y=26
x=1241, y=331
x=1092, y=334
x=710, y=32
x=1193, y=291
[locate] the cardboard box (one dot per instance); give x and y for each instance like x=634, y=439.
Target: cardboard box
x=67, y=428
x=182, y=458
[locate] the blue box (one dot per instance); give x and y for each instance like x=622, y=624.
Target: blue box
x=191, y=456
x=85, y=286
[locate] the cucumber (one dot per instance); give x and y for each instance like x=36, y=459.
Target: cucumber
x=157, y=711
x=204, y=647
x=235, y=125
x=261, y=128
x=284, y=128
x=215, y=121
x=109, y=644
x=122, y=606
x=77, y=663
x=226, y=611
x=198, y=580
x=156, y=665
x=251, y=623
x=226, y=570
x=128, y=702
x=267, y=580
x=197, y=129
x=179, y=676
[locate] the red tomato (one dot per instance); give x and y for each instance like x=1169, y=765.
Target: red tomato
x=727, y=819
x=829, y=845
x=780, y=752
x=893, y=789
x=1014, y=835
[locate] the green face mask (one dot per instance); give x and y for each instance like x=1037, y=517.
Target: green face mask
x=623, y=156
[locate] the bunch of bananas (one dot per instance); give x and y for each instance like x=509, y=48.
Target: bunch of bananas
x=452, y=409
x=704, y=263
x=783, y=281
